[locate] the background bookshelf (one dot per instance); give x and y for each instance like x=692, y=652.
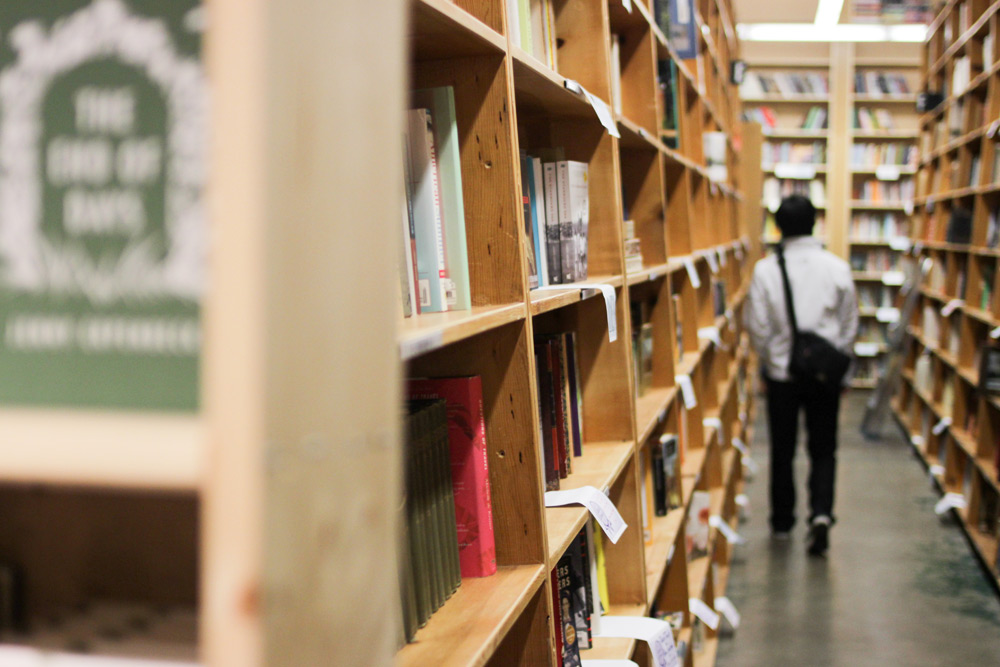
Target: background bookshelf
x=652, y=183
x=943, y=405
x=859, y=167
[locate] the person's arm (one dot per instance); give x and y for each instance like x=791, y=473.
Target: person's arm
x=756, y=317
x=848, y=316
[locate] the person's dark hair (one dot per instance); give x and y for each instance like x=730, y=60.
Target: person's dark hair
x=796, y=216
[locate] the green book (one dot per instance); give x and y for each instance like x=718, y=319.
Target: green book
x=441, y=102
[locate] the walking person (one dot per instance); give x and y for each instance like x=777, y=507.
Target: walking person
x=819, y=330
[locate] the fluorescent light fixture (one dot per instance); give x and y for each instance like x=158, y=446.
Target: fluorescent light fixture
x=828, y=12
x=812, y=32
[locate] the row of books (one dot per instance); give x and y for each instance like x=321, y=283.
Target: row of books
x=763, y=115
x=877, y=84
x=794, y=153
x=633, y=247
x=872, y=120
x=661, y=478
x=775, y=189
x=447, y=517
x=879, y=226
x=875, y=191
x=532, y=26
x=555, y=195
x=676, y=19
x=874, y=296
x=579, y=589
x=869, y=155
x=815, y=119
x=668, y=94
x=881, y=11
x=433, y=259
x=872, y=260
x=789, y=84
x=560, y=405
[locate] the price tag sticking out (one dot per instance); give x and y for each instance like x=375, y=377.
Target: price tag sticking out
x=739, y=253
x=740, y=446
x=992, y=131
x=692, y=272
x=908, y=207
x=941, y=426
x=995, y=334
x=937, y=470
x=949, y=501
x=727, y=531
x=899, y=243
x=711, y=334
x=799, y=172
x=413, y=347
x=573, y=86
x=713, y=264
x=917, y=440
x=951, y=307
x=653, y=275
x=894, y=278
x=887, y=315
x=722, y=256
x=742, y=500
x=653, y=631
x=712, y=422
x=866, y=349
x=751, y=465
x=600, y=506
x=728, y=611
x=687, y=391
x=603, y=112
x=587, y=291
x=887, y=172
x=628, y=5
x=704, y=612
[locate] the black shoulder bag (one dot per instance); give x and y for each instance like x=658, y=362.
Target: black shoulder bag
x=814, y=359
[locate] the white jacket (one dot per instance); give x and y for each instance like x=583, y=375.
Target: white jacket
x=825, y=302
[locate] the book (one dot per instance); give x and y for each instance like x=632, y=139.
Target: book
x=561, y=392
x=574, y=216
x=529, y=219
x=671, y=473
x=575, y=392
x=536, y=191
x=579, y=573
x=469, y=468
x=681, y=29
x=547, y=410
x=644, y=380
x=408, y=257
x=697, y=525
x=432, y=269
x=552, y=228
x=989, y=369
x=659, y=485
x=441, y=102
x=570, y=647
x=557, y=614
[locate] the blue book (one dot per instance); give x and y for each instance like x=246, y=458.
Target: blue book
x=682, y=35
x=536, y=190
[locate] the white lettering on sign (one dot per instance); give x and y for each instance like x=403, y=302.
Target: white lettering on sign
x=104, y=110
x=109, y=211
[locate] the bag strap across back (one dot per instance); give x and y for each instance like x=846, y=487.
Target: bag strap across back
x=788, y=292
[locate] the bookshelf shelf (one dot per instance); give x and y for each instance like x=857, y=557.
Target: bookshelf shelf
x=541, y=90
x=650, y=407
x=470, y=626
x=880, y=206
x=544, y=301
x=429, y=331
x=886, y=134
x=885, y=99
x=797, y=134
x=441, y=29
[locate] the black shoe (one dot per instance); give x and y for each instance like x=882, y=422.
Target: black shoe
x=819, y=539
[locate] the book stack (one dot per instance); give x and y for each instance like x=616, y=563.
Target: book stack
x=871, y=155
x=874, y=296
x=877, y=84
x=434, y=265
x=871, y=261
x=560, y=405
x=879, y=226
x=448, y=527
x=763, y=115
x=579, y=586
x=532, y=26
x=785, y=84
x=881, y=192
x=872, y=121
x=815, y=119
x=555, y=195
x=794, y=153
x=633, y=249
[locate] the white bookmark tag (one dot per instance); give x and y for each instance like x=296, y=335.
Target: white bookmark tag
x=887, y=172
x=937, y=470
x=940, y=427
x=899, y=243
x=712, y=334
x=741, y=446
x=951, y=307
x=687, y=391
x=742, y=500
x=573, y=86
x=713, y=264
x=692, y=272
x=727, y=531
x=887, y=315
x=600, y=506
x=893, y=278
x=704, y=612
x=866, y=349
x=586, y=291
x=603, y=112
x=628, y=5
x=950, y=501
x=413, y=347
x=995, y=333
x=653, y=631
x=751, y=465
x=917, y=440
x=722, y=256
x=728, y=611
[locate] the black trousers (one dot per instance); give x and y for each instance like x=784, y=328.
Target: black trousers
x=785, y=400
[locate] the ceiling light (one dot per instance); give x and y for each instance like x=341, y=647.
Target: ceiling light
x=811, y=32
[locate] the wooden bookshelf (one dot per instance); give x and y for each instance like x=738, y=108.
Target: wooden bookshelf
x=853, y=159
x=953, y=425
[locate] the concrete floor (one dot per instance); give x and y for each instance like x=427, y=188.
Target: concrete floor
x=899, y=586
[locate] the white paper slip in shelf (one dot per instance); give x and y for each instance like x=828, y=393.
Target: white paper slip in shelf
x=941, y=426
x=600, y=507
x=712, y=334
x=887, y=172
x=603, y=112
x=995, y=334
x=704, y=612
x=866, y=349
x=893, y=278
x=740, y=446
x=728, y=611
x=692, y=272
x=713, y=422
x=801, y=172
x=887, y=315
x=917, y=440
x=653, y=631
x=949, y=501
x=899, y=243
x=587, y=291
x=742, y=500
x=937, y=470
x=727, y=531
x=573, y=86
x=751, y=465
x=413, y=347
x=628, y=5
x=687, y=391
x=722, y=256
x=951, y=307
x=713, y=265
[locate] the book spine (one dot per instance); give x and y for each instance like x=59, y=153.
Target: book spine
x=546, y=407
x=570, y=646
x=447, y=292
x=578, y=586
x=659, y=481
x=538, y=220
x=567, y=244
x=552, y=246
x=529, y=250
x=415, y=520
x=560, y=407
x=426, y=214
x=576, y=396
x=579, y=197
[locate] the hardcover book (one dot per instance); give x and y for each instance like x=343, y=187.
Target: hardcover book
x=573, y=208
x=469, y=468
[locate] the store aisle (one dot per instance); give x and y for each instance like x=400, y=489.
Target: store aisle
x=898, y=587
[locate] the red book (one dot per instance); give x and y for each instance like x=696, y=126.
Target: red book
x=561, y=452
x=469, y=468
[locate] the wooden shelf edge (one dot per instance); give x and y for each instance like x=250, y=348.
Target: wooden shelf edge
x=543, y=301
x=427, y=332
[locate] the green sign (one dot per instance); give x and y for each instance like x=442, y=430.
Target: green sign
x=103, y=122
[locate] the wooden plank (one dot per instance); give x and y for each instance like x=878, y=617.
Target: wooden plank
x=429, y=331
x=441, y=29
